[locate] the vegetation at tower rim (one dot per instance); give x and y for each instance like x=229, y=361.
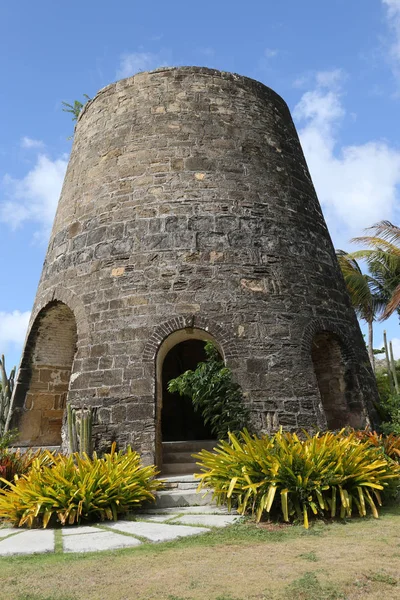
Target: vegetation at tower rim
x=327, y=475
x=78, y=488
x=75, y=108
x=6, y=389
x=214, y=394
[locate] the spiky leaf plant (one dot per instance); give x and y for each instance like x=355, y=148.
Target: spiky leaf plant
x=79, y=488
x=14, y=463
x=328, y=475
x=390, y=444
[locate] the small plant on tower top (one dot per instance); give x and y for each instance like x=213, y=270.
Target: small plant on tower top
x=75, y=108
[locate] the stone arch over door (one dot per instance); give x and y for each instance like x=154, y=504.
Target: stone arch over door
x=172, y=341
x=337, y=381
x=44, y=376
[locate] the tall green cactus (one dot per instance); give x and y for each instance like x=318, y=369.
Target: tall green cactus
x=7, y=386
x=80, y=422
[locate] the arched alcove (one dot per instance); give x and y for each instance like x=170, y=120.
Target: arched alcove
x=335, y=380
x=176, y=419
x=43, y=381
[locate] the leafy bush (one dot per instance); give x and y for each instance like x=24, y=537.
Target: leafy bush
x=214, y=394
x=7, y=439
x=390, y=411
x=78, y=488
x=326, y=474
x=390, y=444
x=16, y=463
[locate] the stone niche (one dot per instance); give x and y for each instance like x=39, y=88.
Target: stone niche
x=45, y=376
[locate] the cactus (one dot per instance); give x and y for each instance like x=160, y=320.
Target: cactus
x=80, y=423
x=388, y=364
x=7, y=386
x=393, y=368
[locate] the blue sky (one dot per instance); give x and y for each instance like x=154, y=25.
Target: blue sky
x=337, y=65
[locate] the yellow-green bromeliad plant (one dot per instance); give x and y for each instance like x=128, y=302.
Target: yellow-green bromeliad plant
x=77, y=488
x=327, y=475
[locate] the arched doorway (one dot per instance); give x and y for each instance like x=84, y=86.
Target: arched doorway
x=180, y=430
x=179, y=420
x=42, y=387
x=336, y=382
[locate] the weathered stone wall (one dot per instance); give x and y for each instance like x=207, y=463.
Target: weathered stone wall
x=45, y=376
x=188, y=203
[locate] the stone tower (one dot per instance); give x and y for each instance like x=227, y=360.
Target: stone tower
x=188, y=214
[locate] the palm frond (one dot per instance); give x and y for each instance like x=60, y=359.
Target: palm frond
x=377, y=243
x=361, y=288
x=386, y=230
x=393, y=304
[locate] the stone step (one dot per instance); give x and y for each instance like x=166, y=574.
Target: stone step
x=179, y=498
x=182, y=482
x=191, y=446
x=178, y=468
x=178, y=457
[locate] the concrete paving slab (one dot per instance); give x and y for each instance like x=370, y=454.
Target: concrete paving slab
x=208, y=520
x=80, y=530
x=104, y=540
x=157, y=518
x=156, y=532
x=191, y=510
x=8, y=531
x=28, y=542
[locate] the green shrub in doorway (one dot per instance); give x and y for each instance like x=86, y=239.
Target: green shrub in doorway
x=214, y=394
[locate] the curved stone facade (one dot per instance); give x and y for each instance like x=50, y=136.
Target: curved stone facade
x=187, y=204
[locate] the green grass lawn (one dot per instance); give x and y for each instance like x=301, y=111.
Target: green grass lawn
x=354, y=559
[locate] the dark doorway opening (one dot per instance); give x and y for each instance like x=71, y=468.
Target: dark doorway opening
x=179, y=420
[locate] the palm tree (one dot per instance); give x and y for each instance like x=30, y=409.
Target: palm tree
x=364, y=294
x=383, y=259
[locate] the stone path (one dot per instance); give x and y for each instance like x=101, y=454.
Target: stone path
x=151, y=526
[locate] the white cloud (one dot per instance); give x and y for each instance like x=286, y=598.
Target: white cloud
x=13, y=327
x=393, y=18
x=27, y=142
x=357, y=184
x=35, y=196
x=132, y=63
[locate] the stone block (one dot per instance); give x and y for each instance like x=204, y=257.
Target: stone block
x=137, y=412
